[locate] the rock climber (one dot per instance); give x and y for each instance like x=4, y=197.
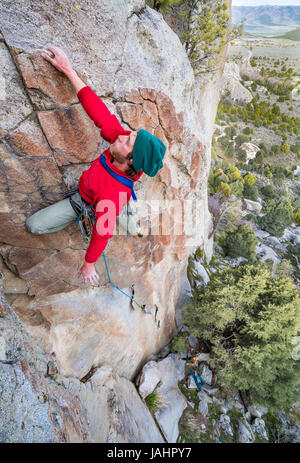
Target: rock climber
x=130, y=154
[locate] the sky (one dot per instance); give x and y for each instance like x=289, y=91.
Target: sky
x=265, y=2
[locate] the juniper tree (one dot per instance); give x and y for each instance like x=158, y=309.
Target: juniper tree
x=240, y=242
x=208, y=29
x=250, y=320
x=250, y=191
x=278, y=217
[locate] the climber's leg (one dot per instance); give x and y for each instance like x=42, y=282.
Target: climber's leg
x=53, y=218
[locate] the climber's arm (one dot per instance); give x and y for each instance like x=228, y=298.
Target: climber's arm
x=100, y=114
x=106, y=214
x=93, y=105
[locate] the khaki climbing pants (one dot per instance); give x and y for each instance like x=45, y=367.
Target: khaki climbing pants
x=61, y=214
x=53, y=218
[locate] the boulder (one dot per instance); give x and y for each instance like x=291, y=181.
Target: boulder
x=204, y=400
x=39, y=405
x=250, y=149
x=199, y=273
x=206, y=374
x=225, y=424
x=209, y=389
x=245, y=433
x=203, y=357
x=162, y=377
x=297, y=171
x=257, y=411
x=259, y=428
x=261, y=234
x=291, y=234
x=265, y=252
x=252, y=206
x=149, y=378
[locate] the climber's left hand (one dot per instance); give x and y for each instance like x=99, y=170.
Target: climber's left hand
x=89, y=273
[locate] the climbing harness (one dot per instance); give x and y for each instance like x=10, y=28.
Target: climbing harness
x=85, y=215
x=197, y=379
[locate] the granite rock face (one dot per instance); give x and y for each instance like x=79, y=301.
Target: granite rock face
x=127, y=53
x=33, y=406
x=39, y=405
x=231, y=82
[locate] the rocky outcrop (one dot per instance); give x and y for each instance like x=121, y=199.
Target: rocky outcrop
x=33, y=407
x=38, y=404
x=231, y=82
x=161, y=378
x=138, y=66
x=250, y=150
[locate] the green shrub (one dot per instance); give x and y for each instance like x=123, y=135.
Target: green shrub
x=230, y=131
x=224, y=141
x=164, y=4
x=240, y=242
x=262, y=147
x=152, y=401
x=239, y=139
x=250, y=191
x=259, y=157
x=296, y=148
x=251, y=217
x=277, y=218
x=268, y=191
x=247, y=131
x=296, y=205
x=275, y=149
x=237, y=188
x=178, y=344
x=250, y=178
x=267, y=172
x=241, y=155
x=297, y=217
x=285, y=147
x=225, y=189
x=230, y=151
x=221, y=178
x=293, y=255
x=233, y=174
x=250, y=319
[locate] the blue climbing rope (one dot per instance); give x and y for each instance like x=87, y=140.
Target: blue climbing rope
x=130, y=297
x=198, y=379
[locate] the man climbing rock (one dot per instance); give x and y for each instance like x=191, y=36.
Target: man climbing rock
x=110, y=176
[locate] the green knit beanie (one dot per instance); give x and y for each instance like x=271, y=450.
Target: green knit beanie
x=148, y=152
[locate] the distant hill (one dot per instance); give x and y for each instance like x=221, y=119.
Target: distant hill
x=267, y=20
x=292, y=35
x=267, y=15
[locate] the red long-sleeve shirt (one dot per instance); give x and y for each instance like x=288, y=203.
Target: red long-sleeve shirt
x=96, y=185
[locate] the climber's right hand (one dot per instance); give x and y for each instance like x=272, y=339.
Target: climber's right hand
x=89, y=273
x=60, y=60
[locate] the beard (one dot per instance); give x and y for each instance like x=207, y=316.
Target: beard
x=130, y=171
x=117, y=156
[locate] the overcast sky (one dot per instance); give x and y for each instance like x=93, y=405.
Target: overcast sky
x=265, y=2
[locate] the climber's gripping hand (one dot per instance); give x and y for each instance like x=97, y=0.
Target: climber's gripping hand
x=59, y=60
x=89, y=273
